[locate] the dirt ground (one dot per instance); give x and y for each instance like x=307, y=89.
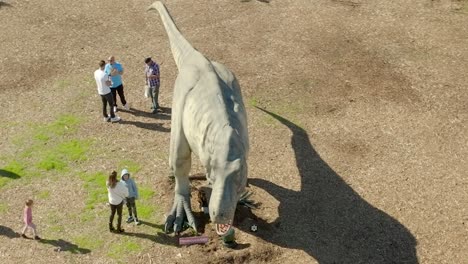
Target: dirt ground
x=357, y=116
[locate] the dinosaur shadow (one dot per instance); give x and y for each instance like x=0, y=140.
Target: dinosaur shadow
x=65, y=246
x=9, y=174
x=327, y=218
x=8, y=232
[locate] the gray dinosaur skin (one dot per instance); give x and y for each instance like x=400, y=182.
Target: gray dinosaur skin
x=208, y=119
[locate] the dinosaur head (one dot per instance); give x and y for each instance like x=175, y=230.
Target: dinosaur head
x=229, y=183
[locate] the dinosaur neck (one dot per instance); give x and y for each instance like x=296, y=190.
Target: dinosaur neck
x=179, y=45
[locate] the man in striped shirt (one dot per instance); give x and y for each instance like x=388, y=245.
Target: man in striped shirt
x=153, y=82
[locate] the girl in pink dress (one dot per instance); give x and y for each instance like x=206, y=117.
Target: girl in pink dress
x=27, y=217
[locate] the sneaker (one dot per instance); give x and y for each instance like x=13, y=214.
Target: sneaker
x=120, y=230
x=115, y=119
x=24, y=236
x=126, y=106
x=130, y=219
x=155, y=111
x=115, y=109
x=137, y=222
x=106, y=119
x=37, y=238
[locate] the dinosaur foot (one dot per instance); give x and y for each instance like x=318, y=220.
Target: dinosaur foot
x=181, y=211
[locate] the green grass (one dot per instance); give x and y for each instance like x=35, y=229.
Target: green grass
x=14, y=169
x=58, y=158
x=64, y=124
x=43, y=194
x=3, y=208
x=88, y=242
x=51, y=162
x=94, y=184
x=145, y=208
x=120, y=250
x=253, y=102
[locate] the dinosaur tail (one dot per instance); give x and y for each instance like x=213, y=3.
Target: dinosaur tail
x=179, y=45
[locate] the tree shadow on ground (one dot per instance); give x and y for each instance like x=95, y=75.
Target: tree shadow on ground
x=62, y=245
x=8, y=232
x=9, y=174
x=327, y=218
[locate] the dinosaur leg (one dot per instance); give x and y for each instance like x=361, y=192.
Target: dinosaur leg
x=180, y=162
x=181, y=207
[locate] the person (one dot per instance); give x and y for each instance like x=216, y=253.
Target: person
x=132, y=196
x=115, y=70
x=153, y=82
x=104, y=91
x=117, y=192
x=27, y=217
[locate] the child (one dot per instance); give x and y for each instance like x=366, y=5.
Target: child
x=27, y=217
x=117, y=192
x=132, y=196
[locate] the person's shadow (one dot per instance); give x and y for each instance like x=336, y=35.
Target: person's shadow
x=165, y=114
x=4, y=4
x=62, y=245
x=8, y=232
x=9, y=174
x=160, y=237
x=327, y=218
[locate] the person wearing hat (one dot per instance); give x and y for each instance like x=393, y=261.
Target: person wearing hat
x=153, y=82
x=132, y=196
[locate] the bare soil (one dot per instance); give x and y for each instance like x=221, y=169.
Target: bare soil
x=357, y=119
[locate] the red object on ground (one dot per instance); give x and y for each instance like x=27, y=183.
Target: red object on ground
x=193, y=240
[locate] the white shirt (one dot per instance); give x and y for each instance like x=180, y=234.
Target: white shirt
x=118, y=193
x=101, y=78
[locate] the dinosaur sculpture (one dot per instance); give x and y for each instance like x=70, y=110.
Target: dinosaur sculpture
x=208, y=119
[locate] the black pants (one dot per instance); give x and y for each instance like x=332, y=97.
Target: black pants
x=118, y=90
x=132, y=207
x=107, y=99
x=115, y=208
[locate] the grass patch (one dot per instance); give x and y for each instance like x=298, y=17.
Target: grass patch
x=88, y=242
x=144, y=207
x=13, y=170
x=51, y=162
x=64, y=124
x=253, y=102
x=123, y=249
x=3, y=208
x=59, y=157
x=94, y=184
x=43, y=195
x=57, y=228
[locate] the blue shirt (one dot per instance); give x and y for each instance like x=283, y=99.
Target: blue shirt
x=116, y=79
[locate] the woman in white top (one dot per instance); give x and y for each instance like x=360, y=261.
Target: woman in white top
x=117, y=192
